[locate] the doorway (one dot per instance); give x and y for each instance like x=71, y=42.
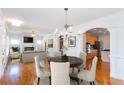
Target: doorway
x=97, y=43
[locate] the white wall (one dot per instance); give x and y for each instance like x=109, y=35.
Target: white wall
x=55, y=41
x=70, y=50
x=4, y=45
x=21, y=45
x=75, y=51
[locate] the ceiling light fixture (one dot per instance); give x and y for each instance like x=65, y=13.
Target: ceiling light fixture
x=33, y=34
x=79, y=32
x=100, y=31
x=56, y=31
x=15, y=22
x=68, y=28
x=66, y=20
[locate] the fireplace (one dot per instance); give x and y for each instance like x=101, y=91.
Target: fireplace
x=28, y=48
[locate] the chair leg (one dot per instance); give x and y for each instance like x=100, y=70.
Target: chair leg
x=78, y=69
x=72, y=69
x=50, y=79
x=81, y=80
x=93, y=83
x=38, y=81
x=78, y=82
x=90, y=83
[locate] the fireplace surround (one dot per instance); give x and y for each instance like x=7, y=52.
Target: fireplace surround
x=28, y=49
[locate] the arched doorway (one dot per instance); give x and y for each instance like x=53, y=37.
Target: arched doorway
x=98, y=39
x=97, y=43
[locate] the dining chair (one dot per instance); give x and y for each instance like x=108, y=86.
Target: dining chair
x=60, y=73
x=83, y=56
x=41, y=72
x=57, y=54
x=89, y=75
x=50, y=52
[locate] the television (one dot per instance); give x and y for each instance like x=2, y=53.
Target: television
x=28, y=40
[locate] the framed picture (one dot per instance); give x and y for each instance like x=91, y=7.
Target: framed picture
x=50, y=43
x=72, y=41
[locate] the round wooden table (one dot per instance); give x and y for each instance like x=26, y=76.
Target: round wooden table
x=74, y=61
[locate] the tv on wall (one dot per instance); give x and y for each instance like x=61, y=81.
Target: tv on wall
x=28, y=40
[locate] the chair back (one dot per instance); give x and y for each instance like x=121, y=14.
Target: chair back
x=38, y=66
x=50, y=52
x=57, y=54
x=83, y=57
x=93, y=69
x=60, y=73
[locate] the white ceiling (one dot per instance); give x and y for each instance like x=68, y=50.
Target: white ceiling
x=48, y=19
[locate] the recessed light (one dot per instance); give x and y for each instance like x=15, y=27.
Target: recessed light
x=56, y=31
x=79, y=32
x=100, y=31
x=70, y=28
x=104, y=32
x=15, y=22
x=94, y=29
x=33, y=34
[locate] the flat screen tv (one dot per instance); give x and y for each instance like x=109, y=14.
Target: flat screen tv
x=28, y=39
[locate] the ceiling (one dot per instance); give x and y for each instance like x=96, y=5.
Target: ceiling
x=46, y=20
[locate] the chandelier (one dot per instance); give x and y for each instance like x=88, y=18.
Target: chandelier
x=66, y=26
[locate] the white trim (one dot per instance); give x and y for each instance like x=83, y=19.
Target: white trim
x=119, y=57
x=117, y=67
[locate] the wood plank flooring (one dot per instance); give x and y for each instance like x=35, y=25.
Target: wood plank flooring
x=24, y=74
x=19, y=74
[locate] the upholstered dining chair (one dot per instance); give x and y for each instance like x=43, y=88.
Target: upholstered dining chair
x=89, y=75
x=41, y=72
x=57, y=54
x=50, y=52
x=60, y=73
x=83, y=56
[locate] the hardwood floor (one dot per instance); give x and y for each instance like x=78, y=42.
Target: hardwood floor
x=19, y=74
x=24, y=74
x=102, y=72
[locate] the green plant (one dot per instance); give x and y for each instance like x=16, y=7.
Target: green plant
x=15, y=49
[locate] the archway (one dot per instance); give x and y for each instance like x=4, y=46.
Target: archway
x=96, y=42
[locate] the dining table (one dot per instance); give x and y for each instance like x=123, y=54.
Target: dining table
x=74, y=61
